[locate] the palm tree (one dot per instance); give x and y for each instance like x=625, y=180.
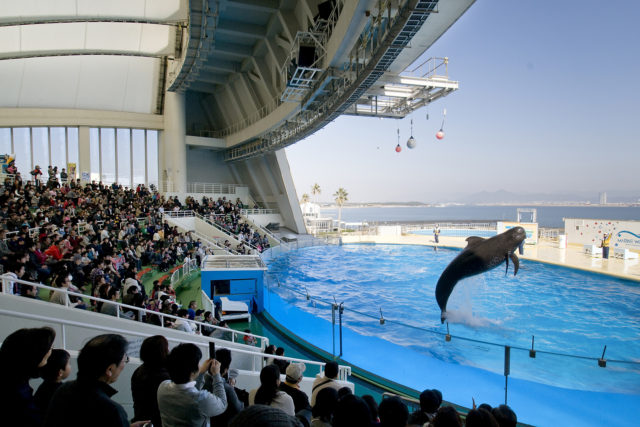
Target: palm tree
x=341, y=197
x=304, y=199
x=315, y=190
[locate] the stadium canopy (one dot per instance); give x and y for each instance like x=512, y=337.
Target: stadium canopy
x=86, y=54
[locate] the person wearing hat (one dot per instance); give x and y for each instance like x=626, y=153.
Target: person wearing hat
x=291, y=386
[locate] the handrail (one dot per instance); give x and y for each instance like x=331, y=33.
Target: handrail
x=4, y=278
x=226, y=232
x=344, y=371
x=435, y=332
x=183, y=271
x=259, y=211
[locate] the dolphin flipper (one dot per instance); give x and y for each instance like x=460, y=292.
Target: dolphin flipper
x=506, y=259
x=516, y=262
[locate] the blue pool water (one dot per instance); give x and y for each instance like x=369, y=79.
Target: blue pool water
x=568, y=311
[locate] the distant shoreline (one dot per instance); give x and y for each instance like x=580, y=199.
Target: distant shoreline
x=448, y=205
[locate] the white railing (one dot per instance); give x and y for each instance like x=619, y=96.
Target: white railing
x=179, y=214
x=203, y=187
x=259, y=211
x=121, y=308
x=285, y=247
x=225, y=231
x=207, y=304
x=260, y=357
x=184, y=270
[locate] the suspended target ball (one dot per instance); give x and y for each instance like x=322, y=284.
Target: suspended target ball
x=411, y=142
x=440, y=134
x=398, y=148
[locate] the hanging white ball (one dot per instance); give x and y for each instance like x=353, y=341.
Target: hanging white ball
x=411, y=142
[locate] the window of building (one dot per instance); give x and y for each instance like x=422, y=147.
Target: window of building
x=123, y=139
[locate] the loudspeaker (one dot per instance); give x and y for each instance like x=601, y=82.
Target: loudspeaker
x=306, y=56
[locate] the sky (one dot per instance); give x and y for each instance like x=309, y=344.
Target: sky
x=549, y=102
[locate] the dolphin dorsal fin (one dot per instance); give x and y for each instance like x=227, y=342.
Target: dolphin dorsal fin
x=474, y=240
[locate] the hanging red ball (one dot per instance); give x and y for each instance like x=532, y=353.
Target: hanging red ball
x=398, y=148
x=440, y=134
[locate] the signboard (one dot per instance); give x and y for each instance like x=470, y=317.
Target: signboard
x=86, y=177
x=7, y=163
x=531, y=229
x=625, y=234
x=71, y=170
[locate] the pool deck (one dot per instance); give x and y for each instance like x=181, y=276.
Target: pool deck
x=545, y=251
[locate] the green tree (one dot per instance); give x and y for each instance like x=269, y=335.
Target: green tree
x=315, y=190
x=304, y=199
x=341, y=196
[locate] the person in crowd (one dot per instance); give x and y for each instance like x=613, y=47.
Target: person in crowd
x=183, y=323
x=223, y=334
x=22, y=354
x=480, y=418
x=447, y=416
x=87, y=400
x=264, y=416
x=15, y=270
x=29, y=291
x=351, y=411
x=234, y=405
x=268, y=393
x=111, y=308
x=281, y=364
x=322, y=412
x=373, y=408
x=291, y=386
x=181, y=400
x=393, y=412
x=249, y=339
x=430, y=401
x=148, y=377
x=193, y=306
x=53, y=373
x=62, y=297
x=329, y=379
x=505, y=416
x=270, y=349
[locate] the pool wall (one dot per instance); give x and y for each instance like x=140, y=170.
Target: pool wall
x=534, y=403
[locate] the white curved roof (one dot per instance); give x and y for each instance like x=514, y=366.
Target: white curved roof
x=85, y=54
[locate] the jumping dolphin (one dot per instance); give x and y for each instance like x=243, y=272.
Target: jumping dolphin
x=479, y=256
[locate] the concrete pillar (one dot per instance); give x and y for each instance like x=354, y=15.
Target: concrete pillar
x=84, y=153
x=173, y=148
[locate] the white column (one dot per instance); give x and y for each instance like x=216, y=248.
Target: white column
x=84, y=152
x=173, y=147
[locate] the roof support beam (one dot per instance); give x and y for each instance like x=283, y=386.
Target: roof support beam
x=241, y=29
x=261, y=5
x=233, y=50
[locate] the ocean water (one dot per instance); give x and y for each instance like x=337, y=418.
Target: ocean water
x=548, y=216
x=571, y=315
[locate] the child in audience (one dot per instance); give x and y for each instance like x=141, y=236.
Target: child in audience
x=53, y=373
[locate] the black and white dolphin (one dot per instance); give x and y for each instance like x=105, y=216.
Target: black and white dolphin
x=479, y=256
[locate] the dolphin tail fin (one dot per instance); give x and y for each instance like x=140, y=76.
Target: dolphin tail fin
x=516, y=262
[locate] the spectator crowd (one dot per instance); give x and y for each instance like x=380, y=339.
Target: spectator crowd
x=178, y=388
